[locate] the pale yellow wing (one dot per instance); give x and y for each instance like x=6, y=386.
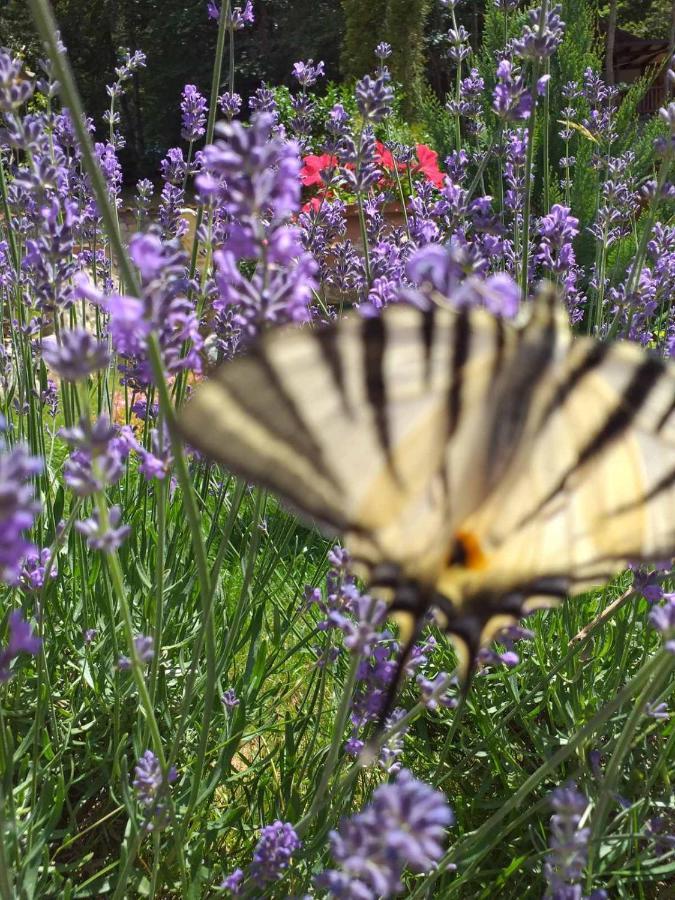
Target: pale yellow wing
x=351, y=423
x=593, y=485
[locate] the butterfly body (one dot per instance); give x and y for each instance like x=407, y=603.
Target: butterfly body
x=473, y=466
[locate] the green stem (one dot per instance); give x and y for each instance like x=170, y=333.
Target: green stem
x=338, y=734
x=545, y=142
x=612, y=771
x=6, y=889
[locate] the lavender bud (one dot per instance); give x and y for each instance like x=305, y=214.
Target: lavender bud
x=77, y=356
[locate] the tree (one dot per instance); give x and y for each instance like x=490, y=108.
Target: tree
x=400, y=23
x=404, y=30
x=364, y=23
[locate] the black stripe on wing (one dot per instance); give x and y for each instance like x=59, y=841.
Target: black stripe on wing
x=328, y=340
x=374, y=333
x=515, y=392
x=500, y=347
x=645, y=377
x=427, y=331
x=254, y=384
x=460, y=355
x=661, y=424
x=667, y=481
x=589, y=363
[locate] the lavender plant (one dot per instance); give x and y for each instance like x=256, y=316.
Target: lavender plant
x=140, y=583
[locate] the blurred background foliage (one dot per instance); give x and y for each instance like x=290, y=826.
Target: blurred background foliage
x=179, y=40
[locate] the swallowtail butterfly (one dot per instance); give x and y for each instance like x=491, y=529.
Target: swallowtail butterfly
x=474, y=467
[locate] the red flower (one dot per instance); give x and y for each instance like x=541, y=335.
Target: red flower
x=427, y=164
x=312, y=205
x=313, y=166
x=384, y=157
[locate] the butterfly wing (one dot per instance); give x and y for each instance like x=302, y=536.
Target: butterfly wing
x=593, y=485
x=349, y=423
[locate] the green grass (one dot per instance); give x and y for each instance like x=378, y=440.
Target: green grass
x=67, y=782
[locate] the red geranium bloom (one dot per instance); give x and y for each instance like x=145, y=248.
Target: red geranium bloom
x=384, y=157
x=427, y=164
x=312, y=205
x=313, y=166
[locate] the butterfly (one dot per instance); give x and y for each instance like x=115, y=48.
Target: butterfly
x=476, y=468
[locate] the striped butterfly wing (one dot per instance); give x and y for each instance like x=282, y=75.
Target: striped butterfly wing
x=591, y=488
x=484, y=465
x=351, y=425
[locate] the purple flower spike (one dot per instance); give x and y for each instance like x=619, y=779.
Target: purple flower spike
x=241, y=16
x=77, y=356
x=21, y=640
x=273, y=852
x=541, y=40
x=230, y=104
x=403, y=827
x=663, y=619
x=232, y=882
x=151, y=788
x=35, y=569
x=511, y=99
x=229, y=699
x=106, y=539
x=18, y=510
x=374, y=96
x=568, y=852
x=307, y=73
x=193, y=109
x=15, y=88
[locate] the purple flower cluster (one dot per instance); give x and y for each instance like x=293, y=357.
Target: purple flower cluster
x=151, y=787
x=253, y=178
x=403, y=827
x=21, y=640
x=37, y=566
x=568, y=852
x=76, y=355
x=104, y=533
x=542, y=35
x=144, y=648
x=662, y=618
x=193, y=109
x=98, y=457
x=164, y=309
x=18, y=510
x=306, y=73
x=276, y=845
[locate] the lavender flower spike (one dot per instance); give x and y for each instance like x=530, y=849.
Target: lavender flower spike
x=193, y=108
x=307, y=73
x=77, y=356
x=568, y=845
x=106, y=539
x=151, y=790
x=18, y=509
x=21, y=640
x=402, y=827
x=272, y=854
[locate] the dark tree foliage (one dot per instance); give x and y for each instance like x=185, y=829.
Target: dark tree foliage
x=399, y=22
x=364, y=26
x=179, y=41
x=404, y=26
